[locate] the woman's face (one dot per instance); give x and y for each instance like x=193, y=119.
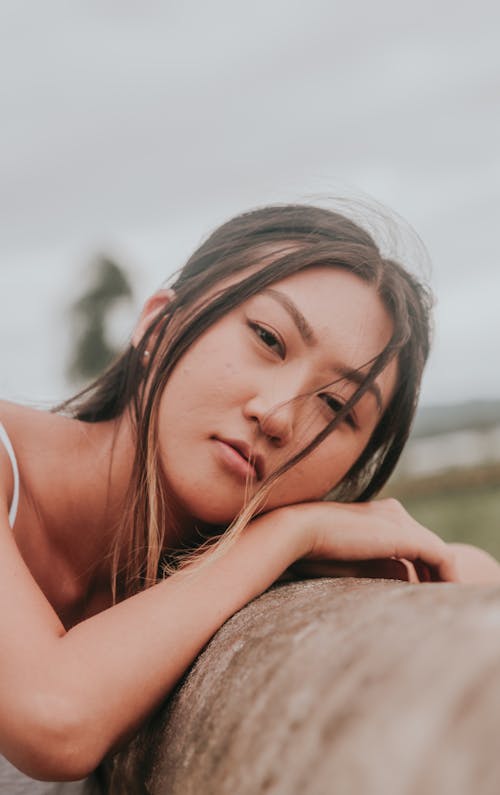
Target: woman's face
x=262, y=383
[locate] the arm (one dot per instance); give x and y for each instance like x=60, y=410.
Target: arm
x=68, y=698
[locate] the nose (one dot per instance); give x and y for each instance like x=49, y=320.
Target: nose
x=274, y=418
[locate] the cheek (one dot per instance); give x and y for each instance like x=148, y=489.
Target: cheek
x=210, y=361
x=316, y=475
x=208, y=381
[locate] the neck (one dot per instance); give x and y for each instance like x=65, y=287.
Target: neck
x=90, y=508
x=76, y=479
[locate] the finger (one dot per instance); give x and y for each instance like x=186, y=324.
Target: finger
x=376, y=531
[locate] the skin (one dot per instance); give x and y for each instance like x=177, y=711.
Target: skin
x=272, y=389
x=78, y=676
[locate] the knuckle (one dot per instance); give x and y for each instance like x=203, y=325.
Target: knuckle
x=392, y=510
x=392, y=504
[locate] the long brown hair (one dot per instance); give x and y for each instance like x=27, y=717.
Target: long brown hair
x=300, y=237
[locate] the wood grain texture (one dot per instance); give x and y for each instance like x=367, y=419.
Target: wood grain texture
x=334, y=686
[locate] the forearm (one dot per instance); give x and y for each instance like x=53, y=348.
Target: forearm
x=96, y=683
x=118, y=665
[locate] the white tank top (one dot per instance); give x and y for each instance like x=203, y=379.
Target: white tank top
x=12, y=781
x=15, y=471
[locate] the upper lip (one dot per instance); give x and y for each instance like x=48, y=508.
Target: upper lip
x=246, y=451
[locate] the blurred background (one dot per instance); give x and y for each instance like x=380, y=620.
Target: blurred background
x=130, y=129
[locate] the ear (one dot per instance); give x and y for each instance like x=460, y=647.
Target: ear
x=153, y=306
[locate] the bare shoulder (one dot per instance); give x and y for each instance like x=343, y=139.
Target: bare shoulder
x=20, y=423
x=475, y=565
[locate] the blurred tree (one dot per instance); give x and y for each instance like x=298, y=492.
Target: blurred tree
x=92, y=349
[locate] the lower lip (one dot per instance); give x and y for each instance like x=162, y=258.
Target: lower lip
x=234, y=461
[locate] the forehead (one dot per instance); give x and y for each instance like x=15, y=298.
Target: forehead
x=337, y=301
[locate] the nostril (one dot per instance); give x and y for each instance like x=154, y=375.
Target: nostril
x=275, y=424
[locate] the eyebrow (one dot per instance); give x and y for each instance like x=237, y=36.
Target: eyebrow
x=309, y=337
x=305, y=330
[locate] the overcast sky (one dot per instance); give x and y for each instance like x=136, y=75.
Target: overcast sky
x=134, y=127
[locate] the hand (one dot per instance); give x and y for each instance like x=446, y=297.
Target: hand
x=353, y=532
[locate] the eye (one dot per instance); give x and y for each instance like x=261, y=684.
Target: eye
x=335, y=405
x=269, y=338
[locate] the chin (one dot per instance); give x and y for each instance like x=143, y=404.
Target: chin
x=210, y=513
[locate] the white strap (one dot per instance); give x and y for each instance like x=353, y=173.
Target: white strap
x=15, y=471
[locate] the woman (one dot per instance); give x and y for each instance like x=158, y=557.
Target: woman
x=282, y=366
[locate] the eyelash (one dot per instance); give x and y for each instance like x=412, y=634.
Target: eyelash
x=272, y=338
x=261, y=332
x=330, y=400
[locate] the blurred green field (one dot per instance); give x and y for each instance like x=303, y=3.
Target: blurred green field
x=470, y=516
x=459, y=506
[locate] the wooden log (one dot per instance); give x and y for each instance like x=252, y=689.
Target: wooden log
x=334, y=686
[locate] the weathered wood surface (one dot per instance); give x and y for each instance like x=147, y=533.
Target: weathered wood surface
x=335, y=687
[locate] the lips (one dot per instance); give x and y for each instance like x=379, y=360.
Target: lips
x=245, y=451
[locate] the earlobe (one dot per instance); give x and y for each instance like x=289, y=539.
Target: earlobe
x=155, y=304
